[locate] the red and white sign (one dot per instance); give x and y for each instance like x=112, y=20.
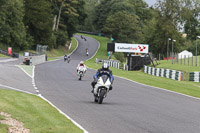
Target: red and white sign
x=131, y=48
x=9, y=50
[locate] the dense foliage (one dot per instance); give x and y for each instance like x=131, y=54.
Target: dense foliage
x=133, y=21
x=26, y=23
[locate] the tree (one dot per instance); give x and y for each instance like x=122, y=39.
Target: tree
x=12, y=29
x=38, y=20
x=123, y=27
x=191, y=18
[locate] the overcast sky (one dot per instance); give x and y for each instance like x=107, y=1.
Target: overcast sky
x=150, y=2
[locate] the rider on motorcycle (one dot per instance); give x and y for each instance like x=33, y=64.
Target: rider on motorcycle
x=83, y=65
x=102, y=71
x=86, y=50
x=66, y=57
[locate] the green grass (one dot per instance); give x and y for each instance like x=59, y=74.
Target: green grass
x=54, y=54
x=102, y=53
x=36, y=114
x=185, y=87
x=1, y=117
x=3, y=127
x=1, y=55
x=61, y=51
x=27, y=68
x=22, y=52
x=180, y=67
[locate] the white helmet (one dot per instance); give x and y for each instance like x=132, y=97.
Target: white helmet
x=81, y=62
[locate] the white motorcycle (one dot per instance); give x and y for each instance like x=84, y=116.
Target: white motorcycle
x=101, y=88
x=81, y=72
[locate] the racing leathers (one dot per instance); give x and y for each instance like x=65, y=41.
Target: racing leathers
x=82, y=65
x=101, y=72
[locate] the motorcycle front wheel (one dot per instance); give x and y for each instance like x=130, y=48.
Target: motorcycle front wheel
x=101, y=96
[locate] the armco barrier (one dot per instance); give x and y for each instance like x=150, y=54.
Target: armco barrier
x=34, y=60
x=125, y=67
x=172, y=74
x=112, y=63
x=194, y=76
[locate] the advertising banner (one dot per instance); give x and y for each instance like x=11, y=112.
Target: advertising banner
x=9, y=50
x=131, y=48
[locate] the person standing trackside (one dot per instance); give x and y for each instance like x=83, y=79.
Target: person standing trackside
x=86, y=50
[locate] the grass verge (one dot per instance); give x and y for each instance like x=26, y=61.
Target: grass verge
x=36, y=114
x=27, y=68
x=180, y=67
x=185, y=87
x=61, y=51
x=1, y=55
x=3, y=127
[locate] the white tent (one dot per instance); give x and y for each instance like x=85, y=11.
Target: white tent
x=184, y=53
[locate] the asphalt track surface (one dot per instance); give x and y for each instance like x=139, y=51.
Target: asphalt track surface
x=12, y=76
x=130, y=107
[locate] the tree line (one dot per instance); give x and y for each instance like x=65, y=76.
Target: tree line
x=133, y=21
x=26, y=23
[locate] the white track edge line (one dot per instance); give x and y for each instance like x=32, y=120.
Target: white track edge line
x=75, y=48
x=23, y=70
x=61, y=59
x=156, y=87
x=75, y=123
x=78, y=125
x=96, y=50
x=12, y=88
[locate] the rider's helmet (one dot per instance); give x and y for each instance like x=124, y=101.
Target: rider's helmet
x=81, y=63
x=105, y=66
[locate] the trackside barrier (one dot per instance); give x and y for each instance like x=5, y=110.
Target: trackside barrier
x=194, y=76
x=125, y=67
x=112, y=63
x=34, y=60
x=171, y=74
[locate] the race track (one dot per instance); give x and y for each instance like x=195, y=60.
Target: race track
x=128, y=108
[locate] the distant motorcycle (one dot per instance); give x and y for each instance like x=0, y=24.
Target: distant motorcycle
x=67, y=58
x=81, y=72
x=87, y=53
x=101, y=88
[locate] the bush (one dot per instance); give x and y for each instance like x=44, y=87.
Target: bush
x=61, y=38
x=120, y=57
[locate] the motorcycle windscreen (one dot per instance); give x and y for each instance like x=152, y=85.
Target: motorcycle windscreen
x=105, y=78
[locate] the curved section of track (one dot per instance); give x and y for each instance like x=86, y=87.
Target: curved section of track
x=129, y=108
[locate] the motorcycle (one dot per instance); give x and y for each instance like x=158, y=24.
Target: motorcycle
x=67, y=58
x=81, y=72
x=101, y=88
x=87, y=53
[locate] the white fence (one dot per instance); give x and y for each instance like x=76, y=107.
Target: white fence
x=112, y=63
